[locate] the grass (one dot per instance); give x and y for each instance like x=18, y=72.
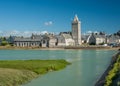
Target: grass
x=114, y=74
x=14, y=77
x=16, y=72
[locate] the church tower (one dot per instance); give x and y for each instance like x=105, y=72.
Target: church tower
x=76, y=30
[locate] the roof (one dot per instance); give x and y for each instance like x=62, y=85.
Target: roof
x=114, y=37
x=49, y=36
x=36, y=36
x=99, y=36
x=76, y=20
x=67, y=36
x=84, y=37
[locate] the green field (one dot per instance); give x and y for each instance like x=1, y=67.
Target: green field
x=16, y=72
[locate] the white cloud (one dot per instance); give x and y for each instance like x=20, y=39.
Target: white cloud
x=21, y=33
x=48, y=23
x=43, y=32
x=89, y=32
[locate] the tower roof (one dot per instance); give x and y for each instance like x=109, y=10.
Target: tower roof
x=76, y=19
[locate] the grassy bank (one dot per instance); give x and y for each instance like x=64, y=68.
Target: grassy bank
x=16, y=72
x=113, y=77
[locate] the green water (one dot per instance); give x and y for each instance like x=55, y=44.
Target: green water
x=86, y=68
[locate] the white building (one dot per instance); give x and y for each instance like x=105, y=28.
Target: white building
x=96, y=39
x=65, y=40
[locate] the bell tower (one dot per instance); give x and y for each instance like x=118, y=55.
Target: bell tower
x=76, y=30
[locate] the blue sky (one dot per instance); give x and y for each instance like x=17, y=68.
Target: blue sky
x=56, y=15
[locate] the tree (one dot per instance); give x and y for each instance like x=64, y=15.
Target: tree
x=4, y=43
x=118, y=33
x=102, y=33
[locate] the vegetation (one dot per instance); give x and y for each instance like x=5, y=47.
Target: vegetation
x=14, y=77
x=113, y=74
x=4, y=43
x=16, y=72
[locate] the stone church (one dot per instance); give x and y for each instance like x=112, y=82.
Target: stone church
x=72, y=38
x=76, y=30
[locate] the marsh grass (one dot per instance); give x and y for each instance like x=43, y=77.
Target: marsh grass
x=113, y=74
x=14, y=77
x=16, y=72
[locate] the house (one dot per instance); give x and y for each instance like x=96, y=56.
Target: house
x=84, y=38
x=49, y=40
x=100, y=39
x=65, y=39
x=33, y=41
x=96, y=39
x=26, y=42
x=113, y=39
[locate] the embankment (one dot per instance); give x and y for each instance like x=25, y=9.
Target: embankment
x=101, y=81
x=92, y=47
x=58, y=48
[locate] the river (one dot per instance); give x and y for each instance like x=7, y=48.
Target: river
x=86, y=68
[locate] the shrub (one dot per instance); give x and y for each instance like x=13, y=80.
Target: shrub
x=4, y=43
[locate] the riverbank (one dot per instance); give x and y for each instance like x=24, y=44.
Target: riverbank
x=29, y=48
x=107, y=78
x=58, y=48
x=93, y=47
x=17, y=72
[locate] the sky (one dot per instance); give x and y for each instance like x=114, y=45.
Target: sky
x=27, y=16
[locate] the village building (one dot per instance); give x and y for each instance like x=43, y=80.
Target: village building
x=96, y=39
x=27, y=42
x=46, y=40
x=84, y=39
x=49, y=40
x=65, y=39
x=112, y=39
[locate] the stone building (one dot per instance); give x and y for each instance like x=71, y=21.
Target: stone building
x=76, y=30
x=96, y=39
x=47, y=40
x=113, y=39
x=65, y=39
x=27, y=42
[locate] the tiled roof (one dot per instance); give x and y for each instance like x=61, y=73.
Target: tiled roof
x=99, y=36
x=67, y=36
